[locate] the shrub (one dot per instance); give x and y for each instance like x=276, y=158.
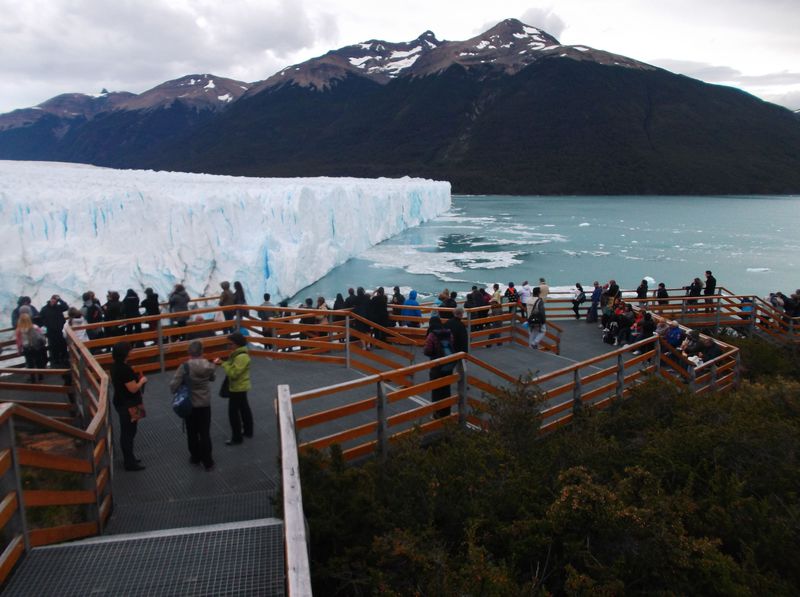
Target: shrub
x=666, y=492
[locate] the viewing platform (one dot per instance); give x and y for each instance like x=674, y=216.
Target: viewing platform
x=174, y=528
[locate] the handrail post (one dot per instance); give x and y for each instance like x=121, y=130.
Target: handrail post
x=577, y=392
x=90, y=484
x=713, y=376
x=692, y=379
x=513, y=312
x=160, y=341
x=462, y=392
x=683, y=310
x=298, y=572
x=620, y=390
x=19, y=515
x=81, y=384
x=238, y=318
x=347, y=341
x=469, y=329
x=717, y=318
x=381, y=431
x=658, y=354
x=754, y=307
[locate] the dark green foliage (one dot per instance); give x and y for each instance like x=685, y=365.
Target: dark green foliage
x=665, y=493
x=764, y=361
x=52, y=516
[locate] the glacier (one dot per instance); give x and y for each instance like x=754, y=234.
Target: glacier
x=68, y=228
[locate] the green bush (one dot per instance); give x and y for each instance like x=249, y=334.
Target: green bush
x=762, y=361
x=664, y=493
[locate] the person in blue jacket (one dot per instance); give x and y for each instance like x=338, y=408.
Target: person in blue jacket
x=591, y=312
x=411, y=301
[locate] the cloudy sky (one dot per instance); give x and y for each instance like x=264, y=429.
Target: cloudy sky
x=49, y=47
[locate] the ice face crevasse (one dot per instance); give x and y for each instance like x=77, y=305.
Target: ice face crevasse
x=68, y=228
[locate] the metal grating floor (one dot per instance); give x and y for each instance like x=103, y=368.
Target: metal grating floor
x=232, y=559
x=152, y=516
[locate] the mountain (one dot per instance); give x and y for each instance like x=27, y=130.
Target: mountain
x=113, y=128
x=509, y=47
x=509, y=111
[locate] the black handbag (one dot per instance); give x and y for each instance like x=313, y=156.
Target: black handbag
x=224, y=389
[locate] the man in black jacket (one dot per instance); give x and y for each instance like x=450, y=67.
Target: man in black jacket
x=52, y=316
x=711, y=287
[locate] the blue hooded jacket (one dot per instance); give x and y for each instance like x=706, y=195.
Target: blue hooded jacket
x=412, y=301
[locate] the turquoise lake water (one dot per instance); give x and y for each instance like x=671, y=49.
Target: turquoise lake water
x=750, y=243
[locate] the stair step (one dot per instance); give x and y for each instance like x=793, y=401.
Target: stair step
x=242, y=558
x=133, y=517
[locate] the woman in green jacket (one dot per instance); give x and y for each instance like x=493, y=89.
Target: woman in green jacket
x=237, y=368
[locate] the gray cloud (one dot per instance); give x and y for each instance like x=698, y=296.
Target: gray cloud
x=710, y=73
x=84, y=45
x=545, y=19
x=541, y=18
x=781, y=78
x=770, y=86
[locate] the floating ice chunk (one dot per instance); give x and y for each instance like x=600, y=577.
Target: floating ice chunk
x=758, y=270
x=584, y=224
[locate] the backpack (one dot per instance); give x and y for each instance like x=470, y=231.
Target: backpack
x=34, y=339
x=581, y=297
x=536, y=316
x=610, y=333
x=445, y=349
x=182, y=398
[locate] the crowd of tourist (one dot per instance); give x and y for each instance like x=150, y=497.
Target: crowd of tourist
x=40, y=333
x=40, y=336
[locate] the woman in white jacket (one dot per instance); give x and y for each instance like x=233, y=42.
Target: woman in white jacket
x=74, y=320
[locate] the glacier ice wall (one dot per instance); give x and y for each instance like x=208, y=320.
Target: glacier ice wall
x=67, y=228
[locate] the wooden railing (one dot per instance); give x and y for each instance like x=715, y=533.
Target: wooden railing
x=341, y=337
x=80, y=435
x=367, y=424
x=744, y=313
x=38, y=451
x=298, y=572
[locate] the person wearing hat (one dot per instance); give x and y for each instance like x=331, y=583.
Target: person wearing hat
x=674, y=335
x=237, y=368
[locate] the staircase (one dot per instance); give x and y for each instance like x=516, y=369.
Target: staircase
x=239, y=558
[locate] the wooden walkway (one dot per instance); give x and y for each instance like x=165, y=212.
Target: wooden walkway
x=171, y=493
